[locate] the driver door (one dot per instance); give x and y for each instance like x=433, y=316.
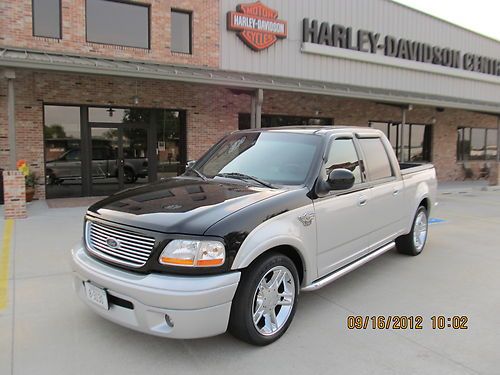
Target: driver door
x=342, y=233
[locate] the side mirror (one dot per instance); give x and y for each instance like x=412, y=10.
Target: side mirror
x=340, y=179
x=190, y=164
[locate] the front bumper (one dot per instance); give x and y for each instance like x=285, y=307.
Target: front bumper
x=196, y=306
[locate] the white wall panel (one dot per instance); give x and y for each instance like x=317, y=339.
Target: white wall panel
x=383, y=16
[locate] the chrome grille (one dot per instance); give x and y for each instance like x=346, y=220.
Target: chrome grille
x=117, y=245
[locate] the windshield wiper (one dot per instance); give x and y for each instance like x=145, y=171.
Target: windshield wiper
x=242, y=176
x=198, y=173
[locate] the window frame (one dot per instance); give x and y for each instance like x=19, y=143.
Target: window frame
x=461, y=131
x=145, y=5
x=400, y=143
x=190, y=14
x=33, y=22
x=241, y=115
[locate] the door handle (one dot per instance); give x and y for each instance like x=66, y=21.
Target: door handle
x=395, y=191
x=362, y=200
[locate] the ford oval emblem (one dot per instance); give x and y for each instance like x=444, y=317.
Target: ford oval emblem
x=112, y=242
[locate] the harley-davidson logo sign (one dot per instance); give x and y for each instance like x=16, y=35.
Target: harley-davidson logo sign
x=257, y=25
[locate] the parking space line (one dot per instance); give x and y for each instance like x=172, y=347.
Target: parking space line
x=4, y=262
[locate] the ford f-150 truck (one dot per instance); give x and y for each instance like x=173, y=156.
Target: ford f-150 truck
x=263, y=215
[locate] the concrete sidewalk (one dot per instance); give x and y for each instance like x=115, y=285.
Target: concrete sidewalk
x=45, y=329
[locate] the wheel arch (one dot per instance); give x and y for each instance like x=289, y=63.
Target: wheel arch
x=289, y=251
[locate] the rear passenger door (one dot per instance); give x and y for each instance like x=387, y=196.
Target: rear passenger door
x=342, y=216
x=386, y=190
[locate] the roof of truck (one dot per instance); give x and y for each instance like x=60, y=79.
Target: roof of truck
x=319, y=130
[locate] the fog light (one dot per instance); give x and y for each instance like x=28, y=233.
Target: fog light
x=169, y=321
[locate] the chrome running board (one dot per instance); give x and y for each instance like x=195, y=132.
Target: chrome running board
x=325, y=280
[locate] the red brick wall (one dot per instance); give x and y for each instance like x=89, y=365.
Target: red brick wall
x=14, y=195
x=16, y=26
x=211, y=112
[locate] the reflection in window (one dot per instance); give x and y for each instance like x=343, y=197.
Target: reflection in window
x=118, y=23
x=180, y=32
x=491, y=144
x=414, y=141
x=377, y=162
x=47, y=18
x=168, y=149
x=477, y=144
x=343, y=155
x=62, y=151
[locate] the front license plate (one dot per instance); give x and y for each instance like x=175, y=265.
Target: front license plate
x=96, y=295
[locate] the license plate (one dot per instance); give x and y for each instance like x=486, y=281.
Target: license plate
x=96, y=295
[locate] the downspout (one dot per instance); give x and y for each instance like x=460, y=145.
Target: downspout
x=258, y=108
x=10, y=75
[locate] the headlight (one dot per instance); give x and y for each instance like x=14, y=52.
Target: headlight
x=192, y=253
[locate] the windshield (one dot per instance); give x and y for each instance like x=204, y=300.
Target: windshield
x=276, y=158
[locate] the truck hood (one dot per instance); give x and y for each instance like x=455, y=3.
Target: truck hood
x=181, y=205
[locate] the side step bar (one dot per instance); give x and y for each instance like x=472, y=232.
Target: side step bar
x=325, y=280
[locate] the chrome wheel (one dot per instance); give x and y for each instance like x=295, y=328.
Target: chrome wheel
x=420, y=231
x=273, y=300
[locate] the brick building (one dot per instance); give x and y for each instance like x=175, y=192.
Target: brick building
x=98, y=95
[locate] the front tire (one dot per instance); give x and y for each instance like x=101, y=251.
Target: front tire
x=413, y=243
x=265, y=301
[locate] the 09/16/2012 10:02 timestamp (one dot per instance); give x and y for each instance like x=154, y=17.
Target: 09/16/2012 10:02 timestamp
x=411, y=322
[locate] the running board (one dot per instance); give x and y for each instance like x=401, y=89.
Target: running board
x=325, y=280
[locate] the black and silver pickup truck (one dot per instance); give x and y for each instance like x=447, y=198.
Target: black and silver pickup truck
x=262, y=216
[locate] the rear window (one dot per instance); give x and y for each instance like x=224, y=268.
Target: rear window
x=376, y=160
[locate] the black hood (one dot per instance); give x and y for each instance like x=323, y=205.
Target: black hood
x=181, y=205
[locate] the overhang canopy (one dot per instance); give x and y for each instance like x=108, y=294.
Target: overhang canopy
x=38, y=60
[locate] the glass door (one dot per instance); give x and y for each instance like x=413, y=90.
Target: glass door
x=106, y=150
x=119, y=157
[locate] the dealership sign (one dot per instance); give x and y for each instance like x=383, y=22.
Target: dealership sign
x=338, y=36
x=257, y=25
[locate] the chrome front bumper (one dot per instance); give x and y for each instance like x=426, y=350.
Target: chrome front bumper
x=196, y=306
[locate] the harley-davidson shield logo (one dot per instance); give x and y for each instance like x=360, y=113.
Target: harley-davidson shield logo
x=257, y=25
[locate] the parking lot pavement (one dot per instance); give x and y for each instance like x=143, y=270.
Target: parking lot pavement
x=45, y=329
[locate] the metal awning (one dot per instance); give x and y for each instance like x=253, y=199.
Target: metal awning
x=31, y=59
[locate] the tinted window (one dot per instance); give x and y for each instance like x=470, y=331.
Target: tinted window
x=342, y=154
x=275, y=121
x=47, y=18
x=117, y=23
x=279, y=158
x=73, y=155
x=376, y=159
x=181, y=32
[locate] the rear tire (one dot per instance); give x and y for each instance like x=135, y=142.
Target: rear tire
x=413, y=243
x=265, y=301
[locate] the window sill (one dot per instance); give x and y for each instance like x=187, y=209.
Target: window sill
x=117, y=47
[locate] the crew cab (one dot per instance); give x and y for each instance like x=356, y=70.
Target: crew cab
x=262, y=216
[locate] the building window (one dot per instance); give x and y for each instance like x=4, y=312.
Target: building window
x=274, y=121
x=181, y=32
x=47, y=18
x=118, y=23
x=413, y=141
x=477, y=144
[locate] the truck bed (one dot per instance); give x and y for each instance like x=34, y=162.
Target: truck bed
x=409, y=168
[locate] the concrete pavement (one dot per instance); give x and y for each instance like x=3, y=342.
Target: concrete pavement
x=45, y=329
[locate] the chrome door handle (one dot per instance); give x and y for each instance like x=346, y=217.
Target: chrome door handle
x=362, y=200
x=395, y=192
